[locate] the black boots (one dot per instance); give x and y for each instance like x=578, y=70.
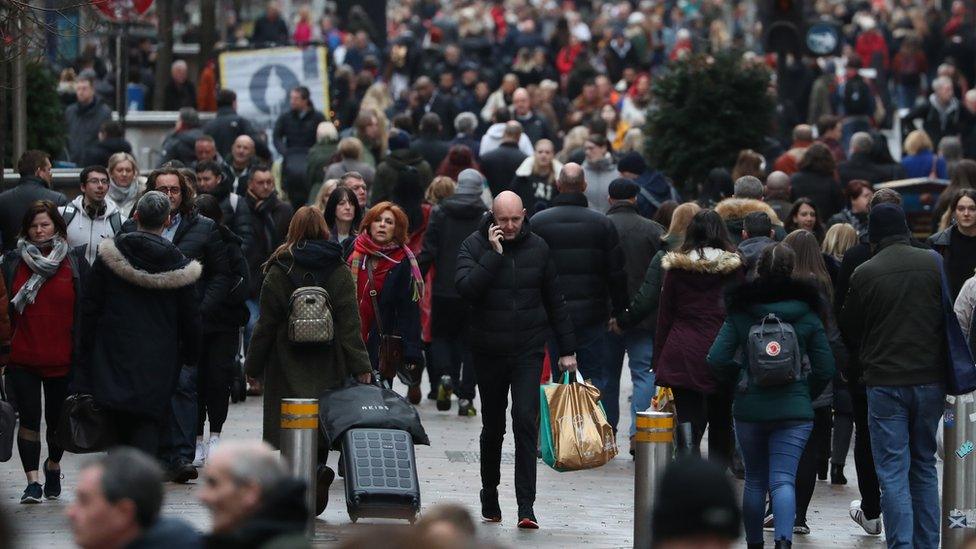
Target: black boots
x=755, y=545
x=684, y=439
x=837, y=474
x=783, y=544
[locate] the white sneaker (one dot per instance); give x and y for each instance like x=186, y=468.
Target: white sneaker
x=200, y=455
x=871, y=526
x=212, y=444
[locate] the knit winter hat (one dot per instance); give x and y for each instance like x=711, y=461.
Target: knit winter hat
x=470, y=181
x=632, y=162
x=694, y=498
x=399, y=140
x=886, y=220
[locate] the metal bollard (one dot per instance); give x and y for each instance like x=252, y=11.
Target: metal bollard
x=959, y=470
x=299, y=447
x=655, y=446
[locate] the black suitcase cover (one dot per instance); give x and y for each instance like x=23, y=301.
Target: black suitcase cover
x=380, y=474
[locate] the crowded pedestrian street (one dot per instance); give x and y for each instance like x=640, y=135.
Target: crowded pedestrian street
x=582, y=509
x=482, y=274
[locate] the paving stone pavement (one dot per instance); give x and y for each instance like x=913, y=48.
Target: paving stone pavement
x=588, y=508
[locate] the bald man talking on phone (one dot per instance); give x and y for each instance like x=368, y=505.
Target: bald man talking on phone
x=507, y=276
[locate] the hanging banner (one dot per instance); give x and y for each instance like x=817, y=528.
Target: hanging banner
x=263, y=79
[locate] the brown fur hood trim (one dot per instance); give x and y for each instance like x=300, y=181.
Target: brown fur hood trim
x=165, y=280
x=738, y=208
x=715, y=261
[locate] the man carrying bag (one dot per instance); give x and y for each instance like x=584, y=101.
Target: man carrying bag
x=507, y=276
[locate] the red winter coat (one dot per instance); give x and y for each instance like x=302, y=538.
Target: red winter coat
x=690, y=314
x=870, y=43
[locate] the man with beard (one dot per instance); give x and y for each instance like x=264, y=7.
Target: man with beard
x=90, y=217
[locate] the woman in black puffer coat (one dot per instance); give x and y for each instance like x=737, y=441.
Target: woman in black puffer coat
x=218, y=359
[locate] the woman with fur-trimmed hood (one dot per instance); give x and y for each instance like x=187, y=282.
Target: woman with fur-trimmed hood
x=690, y=314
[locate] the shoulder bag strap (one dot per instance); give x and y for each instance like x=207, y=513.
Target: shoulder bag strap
x=69, y=214
x=372, y=297
x=649, y=197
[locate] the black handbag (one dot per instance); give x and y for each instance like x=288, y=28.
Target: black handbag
x=84, y=426
x=8, y=425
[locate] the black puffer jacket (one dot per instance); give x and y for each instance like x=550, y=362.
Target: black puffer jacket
x=296, y=131
x=231, y=313
x=270, y=219
x=198, y=238
x=237, y=213
x=139, y=324
x=586, y=250
x=181, y=146
x=450, y=223
x=226, y=127
x=516, y=294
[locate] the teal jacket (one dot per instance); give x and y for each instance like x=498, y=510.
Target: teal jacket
x=797, y=303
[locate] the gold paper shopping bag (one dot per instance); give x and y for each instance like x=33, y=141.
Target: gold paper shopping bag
x=580, y=435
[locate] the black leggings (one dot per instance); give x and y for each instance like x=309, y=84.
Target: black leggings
x=806, y=470
x=25, y=392
x=215, y=370
x=713, y=410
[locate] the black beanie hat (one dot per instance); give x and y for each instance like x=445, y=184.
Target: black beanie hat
x=694, y=498
x=622, y=189
x=886, y=220
x=632, y=162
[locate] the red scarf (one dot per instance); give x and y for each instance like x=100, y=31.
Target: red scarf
x=386, y=258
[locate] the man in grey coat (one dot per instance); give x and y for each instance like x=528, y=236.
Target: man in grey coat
x=84, y=118
x=640, y=239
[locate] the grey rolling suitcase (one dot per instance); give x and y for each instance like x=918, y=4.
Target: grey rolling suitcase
x=380, y=474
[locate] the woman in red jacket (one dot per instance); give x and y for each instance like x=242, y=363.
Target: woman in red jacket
x=690, y=314
x=43, y=279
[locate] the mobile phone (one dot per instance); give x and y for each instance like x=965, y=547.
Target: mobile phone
x=491, y=221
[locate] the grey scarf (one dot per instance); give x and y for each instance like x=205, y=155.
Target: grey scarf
x=122, y=195
x=42, y=268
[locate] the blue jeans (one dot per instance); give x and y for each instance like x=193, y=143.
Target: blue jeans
x=771, y=452
x=253, y=307
x=903, y=423
x=178, y=439
x=591, y=354
x=639, y=345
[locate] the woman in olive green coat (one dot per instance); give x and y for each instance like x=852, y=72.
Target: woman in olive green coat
x=306, y=370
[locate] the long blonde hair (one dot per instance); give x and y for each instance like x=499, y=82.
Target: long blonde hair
x=840, y=238
x=325, y=191
x=575, y=139
x=681, y=218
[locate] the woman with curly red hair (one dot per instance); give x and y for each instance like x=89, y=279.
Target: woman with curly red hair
x=389, y=287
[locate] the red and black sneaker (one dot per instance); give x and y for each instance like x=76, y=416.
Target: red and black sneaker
x=527, y=520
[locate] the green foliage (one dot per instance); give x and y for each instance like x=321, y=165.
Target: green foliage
x=708, y=110
x=45, y=115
